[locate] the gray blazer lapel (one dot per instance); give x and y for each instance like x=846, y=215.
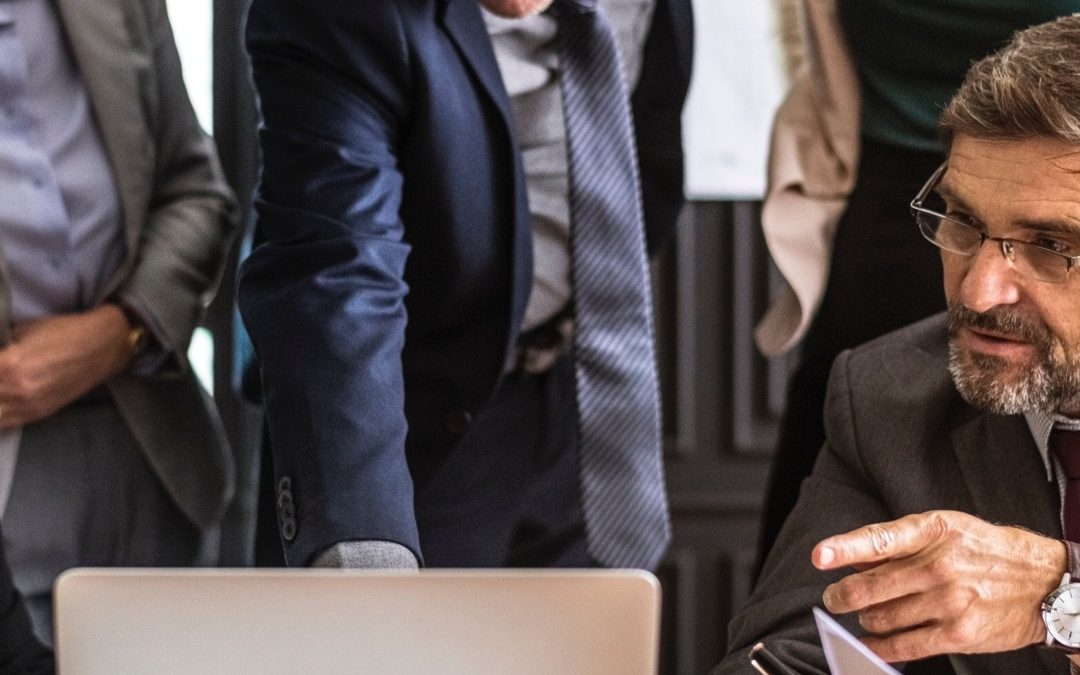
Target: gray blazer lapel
x=110, y=54
x=5, y=299
x=996, y=455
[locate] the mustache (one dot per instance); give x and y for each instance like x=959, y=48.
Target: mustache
x=999, y=320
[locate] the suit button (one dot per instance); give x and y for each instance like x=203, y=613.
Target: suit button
x=286, y=508
x=284, y=498
x=288, y=529
x=457, y=421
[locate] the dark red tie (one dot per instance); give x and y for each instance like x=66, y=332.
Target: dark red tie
x=1065, y=445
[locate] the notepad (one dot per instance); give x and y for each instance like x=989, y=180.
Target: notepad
x=844, y=653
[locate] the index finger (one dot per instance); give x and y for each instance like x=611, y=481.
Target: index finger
x=878, y=542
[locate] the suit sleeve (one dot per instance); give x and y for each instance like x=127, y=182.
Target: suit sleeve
x=838, y=496
x=323, y=294
x=190, y=217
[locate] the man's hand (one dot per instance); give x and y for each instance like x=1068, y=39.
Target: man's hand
x=942, y=582
x=51, y=362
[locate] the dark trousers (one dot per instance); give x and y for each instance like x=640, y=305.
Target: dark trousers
x=84, y=495
x=884, y=275
x=508, y=493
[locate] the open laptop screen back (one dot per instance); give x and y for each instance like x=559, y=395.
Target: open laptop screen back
x=325, y=621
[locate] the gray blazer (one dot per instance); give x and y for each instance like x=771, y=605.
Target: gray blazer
x=178, y=222
x=900, y=441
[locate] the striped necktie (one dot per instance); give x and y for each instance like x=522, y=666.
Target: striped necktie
x=624, y=501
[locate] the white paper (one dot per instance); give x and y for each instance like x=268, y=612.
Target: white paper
x=737, y=84
x=845, y=654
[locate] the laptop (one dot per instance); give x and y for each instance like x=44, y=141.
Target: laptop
x=234, y=622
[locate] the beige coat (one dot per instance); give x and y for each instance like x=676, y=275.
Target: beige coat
x=177, y=220
x=812, y=162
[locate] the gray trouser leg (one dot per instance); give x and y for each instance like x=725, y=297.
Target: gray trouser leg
x=83, y=495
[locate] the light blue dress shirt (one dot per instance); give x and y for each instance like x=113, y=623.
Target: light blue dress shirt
x=526, y=53
x=59, y=207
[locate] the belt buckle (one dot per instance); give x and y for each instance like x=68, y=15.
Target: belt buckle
x=539, y=350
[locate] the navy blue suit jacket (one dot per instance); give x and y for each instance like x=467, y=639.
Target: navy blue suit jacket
x=394, y=255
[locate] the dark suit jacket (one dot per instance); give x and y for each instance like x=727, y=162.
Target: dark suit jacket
x=395, y=261
x=900, y=440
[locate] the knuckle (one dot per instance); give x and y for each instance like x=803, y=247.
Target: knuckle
x=937, y=524
x=882, y=540
x=941, y=567
x=961, y=631
x=954, y=604
x=842, y=596
x=856, y=595
x=873, y=621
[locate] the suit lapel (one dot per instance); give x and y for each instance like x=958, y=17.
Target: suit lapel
x=996, y=454
x=102, y=44
x=461, y=21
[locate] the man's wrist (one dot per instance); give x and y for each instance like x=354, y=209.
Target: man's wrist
x=138, y=336
x=1066, y=572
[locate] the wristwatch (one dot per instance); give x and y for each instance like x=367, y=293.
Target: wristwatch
x=138, y=338
x=1061, y=614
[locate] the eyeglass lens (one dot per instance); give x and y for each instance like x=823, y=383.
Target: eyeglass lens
x=1027, y=259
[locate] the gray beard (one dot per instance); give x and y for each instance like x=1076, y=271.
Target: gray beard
x=1047, y=387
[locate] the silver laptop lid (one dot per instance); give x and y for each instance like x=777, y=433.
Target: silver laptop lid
x=116, y=621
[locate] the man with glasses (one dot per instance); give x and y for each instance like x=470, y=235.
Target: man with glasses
x=940, y=518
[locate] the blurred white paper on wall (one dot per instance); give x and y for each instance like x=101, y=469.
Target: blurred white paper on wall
x=192, y=24
x=737, y=85
x=193, y=29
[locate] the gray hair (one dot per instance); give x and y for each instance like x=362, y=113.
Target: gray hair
x=1028, y=88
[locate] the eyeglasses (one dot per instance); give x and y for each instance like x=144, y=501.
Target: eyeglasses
x=1030, y=260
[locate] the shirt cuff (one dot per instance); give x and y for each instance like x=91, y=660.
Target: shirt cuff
x=372, y=554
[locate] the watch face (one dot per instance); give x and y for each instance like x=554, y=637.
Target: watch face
x=1062, y=614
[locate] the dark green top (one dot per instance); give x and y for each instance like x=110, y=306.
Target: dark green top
x=911, y=56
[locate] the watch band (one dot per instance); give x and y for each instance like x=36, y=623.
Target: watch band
x=1072, y=561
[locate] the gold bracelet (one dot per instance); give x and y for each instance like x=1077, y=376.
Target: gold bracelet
x=138, y=338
